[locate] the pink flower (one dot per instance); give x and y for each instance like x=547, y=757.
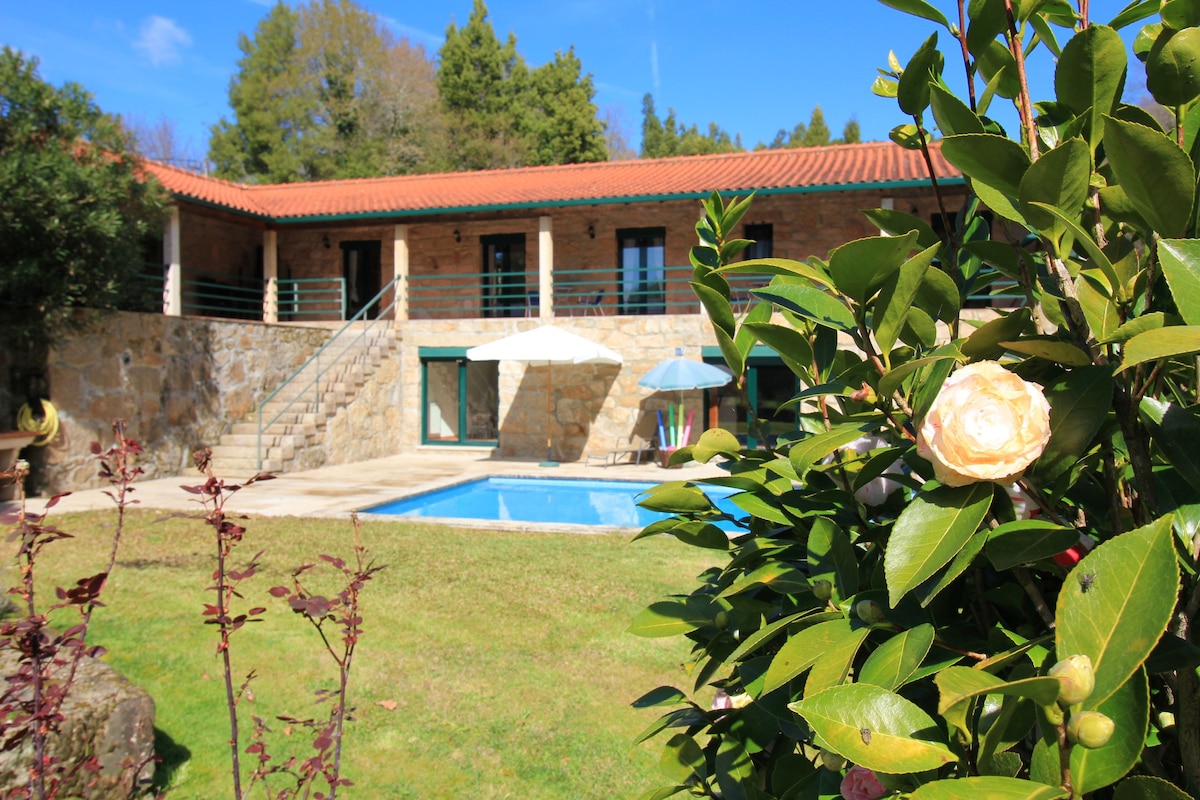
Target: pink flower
x=860, y=784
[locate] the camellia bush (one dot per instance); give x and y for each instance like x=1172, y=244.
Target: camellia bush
x=972, y=570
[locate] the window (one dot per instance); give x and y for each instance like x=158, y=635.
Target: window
x=641, y=272
x=763, y=236
x=460, y=398
x=505, y=293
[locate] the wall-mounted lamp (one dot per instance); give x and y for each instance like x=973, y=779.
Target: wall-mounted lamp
x=325, y=241
x=457, y=235
x=591, y=231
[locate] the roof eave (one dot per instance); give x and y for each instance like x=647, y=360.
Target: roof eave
x=596, y=201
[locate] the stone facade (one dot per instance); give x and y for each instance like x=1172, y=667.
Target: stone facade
x=179, y=383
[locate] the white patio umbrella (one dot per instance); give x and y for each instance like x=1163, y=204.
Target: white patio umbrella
x=546, y=345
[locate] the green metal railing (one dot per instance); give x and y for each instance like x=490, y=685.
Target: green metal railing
x=210, y=294
x=311, y=298
x=350, y=330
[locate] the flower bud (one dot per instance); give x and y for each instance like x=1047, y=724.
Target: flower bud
x=822, y=590
x=1076, y=679
x=832, y=761
x=1090, y=729
x=869, y=611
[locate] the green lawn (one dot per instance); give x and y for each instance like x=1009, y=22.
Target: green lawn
x=505, y=653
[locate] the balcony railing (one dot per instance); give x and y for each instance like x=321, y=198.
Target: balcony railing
x=577, y=292
x=311, y=299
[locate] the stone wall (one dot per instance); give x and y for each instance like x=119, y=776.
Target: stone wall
x=591, y=406
x=179, y=383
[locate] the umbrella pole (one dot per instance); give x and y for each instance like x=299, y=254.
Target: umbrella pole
x=549, y=462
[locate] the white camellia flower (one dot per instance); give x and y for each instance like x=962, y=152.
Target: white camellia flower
x=986, y=424
x=874, y=492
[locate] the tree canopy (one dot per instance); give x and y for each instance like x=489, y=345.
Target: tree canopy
x=499, y=113
x=323, y=92
x=75, y=212
x=663, y=138
x=815, y=134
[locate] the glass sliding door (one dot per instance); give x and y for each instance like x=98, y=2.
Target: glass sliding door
x=641, y=270
x=460, y=400
x=505, y=293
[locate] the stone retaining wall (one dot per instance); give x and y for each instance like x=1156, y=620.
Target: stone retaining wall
x=179, y=383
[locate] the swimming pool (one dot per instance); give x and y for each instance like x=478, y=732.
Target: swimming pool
x=566, y=501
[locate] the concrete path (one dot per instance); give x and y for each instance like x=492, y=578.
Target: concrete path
x=335, y=492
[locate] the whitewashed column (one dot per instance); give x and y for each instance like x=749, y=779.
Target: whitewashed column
x=400, y=268
x=545, y=268
x=173, y=284
x=271, y=276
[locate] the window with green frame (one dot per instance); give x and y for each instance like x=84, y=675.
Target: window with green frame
x=460, y=399
x=769, y=385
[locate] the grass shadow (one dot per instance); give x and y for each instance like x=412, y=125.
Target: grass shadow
x=171, y=756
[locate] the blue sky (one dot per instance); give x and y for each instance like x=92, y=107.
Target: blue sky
x=751, y=67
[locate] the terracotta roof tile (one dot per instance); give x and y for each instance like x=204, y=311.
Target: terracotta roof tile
x=832, y=167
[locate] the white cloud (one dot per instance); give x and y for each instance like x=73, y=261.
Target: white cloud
x=161, y=40
x=415, y=35
x=655, y=77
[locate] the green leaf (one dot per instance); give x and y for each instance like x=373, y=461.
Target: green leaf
x=1176, y=340
x=930, y=532
x=717, y=306
x=1103, y=766
x=925, y=66
x=919, y=8
x=956, y=685
x=897, y=297
x=1143, y=787
x=952, y=115
x=666, y=618
x=809, y=302
x=834, y=664
x=895, y=661
x=987, y=159
x=984, y=343
x=1172, y=74
x=662, y=696
x=1176, y=431
x=784, y=267
x=734, y=770
x=715, y=442
x=812, y=448
x=928, y=590
x=729, y=351
x=1180, y=261
x=1053, y=350
x=1155, y=173
x=1090, y=76
x=791, y=345
x=663, y=792
x=1101, y=311
x=801, y=651
x=1079, y=403
x=939, y=296
x=1135, y=12
x=831, y=557
x=1060, y=179
x=778, y=576
x=675, y=498
x=898, y=223
x=875, y=729
x=892, y=381
x=1116, y=603
x=991, y=787
x=861, y=266
x=682, y=759
x=1099, y=259
x=1027, y=540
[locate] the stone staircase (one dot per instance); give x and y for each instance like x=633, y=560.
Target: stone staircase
x=302, y=407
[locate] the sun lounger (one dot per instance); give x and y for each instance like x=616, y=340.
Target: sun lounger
x=635, y=448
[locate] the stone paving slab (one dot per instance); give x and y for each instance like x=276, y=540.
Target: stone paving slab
x=335, y=492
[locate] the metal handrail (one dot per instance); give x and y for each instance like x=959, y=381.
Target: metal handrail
x=315, y=358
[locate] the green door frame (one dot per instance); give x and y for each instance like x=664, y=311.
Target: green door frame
x=429, y=355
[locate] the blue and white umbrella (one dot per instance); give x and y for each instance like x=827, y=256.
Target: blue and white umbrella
x=681, y=374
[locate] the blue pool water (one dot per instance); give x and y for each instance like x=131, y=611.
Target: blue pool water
x=547, y=500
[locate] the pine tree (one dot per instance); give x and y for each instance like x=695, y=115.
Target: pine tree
x=484, y=87
x=262, y=143
x=565, y=127
x=655, y=142
x=851, y=133
x=818, y=132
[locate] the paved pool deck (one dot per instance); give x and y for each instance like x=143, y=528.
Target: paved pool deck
x=337, y=491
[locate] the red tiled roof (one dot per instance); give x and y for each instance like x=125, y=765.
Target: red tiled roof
x=768, y=171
